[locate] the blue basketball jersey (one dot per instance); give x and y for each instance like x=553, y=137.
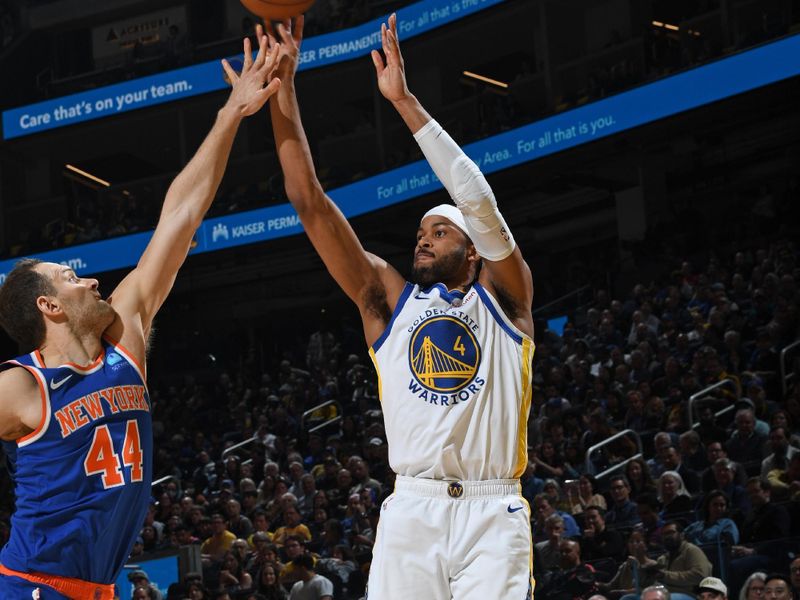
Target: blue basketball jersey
x=82, y=478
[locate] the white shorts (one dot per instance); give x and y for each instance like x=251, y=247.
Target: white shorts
x=440, y=540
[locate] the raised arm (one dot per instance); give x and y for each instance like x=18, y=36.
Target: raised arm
x=504, y=270
x=369, y=281
x=143, y=291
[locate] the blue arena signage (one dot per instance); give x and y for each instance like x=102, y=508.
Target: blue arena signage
x=666, y=97
x=180, y=84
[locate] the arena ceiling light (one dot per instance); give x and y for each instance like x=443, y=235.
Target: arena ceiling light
x=485, y=79
x=89, y=176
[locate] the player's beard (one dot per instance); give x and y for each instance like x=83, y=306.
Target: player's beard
x=440, y=269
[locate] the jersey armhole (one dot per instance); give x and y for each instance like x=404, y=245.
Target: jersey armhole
x=44, y=395
x=401, y=301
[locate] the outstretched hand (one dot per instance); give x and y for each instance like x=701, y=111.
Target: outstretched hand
x=291, y=36
x=391, y=74
x=249, y=93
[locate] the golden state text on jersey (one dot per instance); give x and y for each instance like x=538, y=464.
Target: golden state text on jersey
x=454, y=377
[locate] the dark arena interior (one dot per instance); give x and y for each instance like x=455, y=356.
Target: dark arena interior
x=644, y=153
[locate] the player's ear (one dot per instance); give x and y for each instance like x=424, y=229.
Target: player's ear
x=49, y=306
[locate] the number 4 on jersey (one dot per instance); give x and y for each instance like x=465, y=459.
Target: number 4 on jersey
x=102, y=460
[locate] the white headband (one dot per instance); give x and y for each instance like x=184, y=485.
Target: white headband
x=450, y=212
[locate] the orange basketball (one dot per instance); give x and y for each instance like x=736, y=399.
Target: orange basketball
x=277, y=10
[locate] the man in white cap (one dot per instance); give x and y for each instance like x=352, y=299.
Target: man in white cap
x=453, y=353
x=712, y=588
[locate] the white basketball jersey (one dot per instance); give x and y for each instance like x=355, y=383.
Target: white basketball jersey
x=455, y=385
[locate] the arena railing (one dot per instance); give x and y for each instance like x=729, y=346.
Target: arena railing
x=704, y=393
x=164, y=479
x=785, y=377
x=334, y=418
x=590, y=468
x=235, y=447
x=617, y=467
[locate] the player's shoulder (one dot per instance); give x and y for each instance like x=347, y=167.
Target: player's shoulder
x=19, y=392
x=16, y=380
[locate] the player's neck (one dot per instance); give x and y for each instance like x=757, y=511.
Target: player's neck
x=63, y=346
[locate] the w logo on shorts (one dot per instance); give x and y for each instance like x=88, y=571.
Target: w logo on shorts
x=36, y=594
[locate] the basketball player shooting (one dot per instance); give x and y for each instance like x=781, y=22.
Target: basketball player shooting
x=453, y=352
x=74, y=410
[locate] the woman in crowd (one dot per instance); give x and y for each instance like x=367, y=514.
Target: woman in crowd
x=548, y=461
x=753, y=588
x=585, y=494
x=638, y=474
x=232, y=576
x=267, y=583
x=715, y=526
x=552, y=490
x=624, y=582
x=675, y=500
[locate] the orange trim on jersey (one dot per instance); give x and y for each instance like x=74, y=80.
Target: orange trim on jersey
x=68, y=586
x=37, y=356
x=76, y=367
x=43, y=392
x=128, y=354
x=94, y=364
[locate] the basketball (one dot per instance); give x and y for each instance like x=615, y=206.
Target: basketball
x=276, y=10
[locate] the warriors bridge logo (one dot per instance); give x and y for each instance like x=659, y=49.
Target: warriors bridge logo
x=444, y=356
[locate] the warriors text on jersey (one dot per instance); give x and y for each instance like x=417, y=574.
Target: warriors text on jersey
x=455, y=386
x=82, y=478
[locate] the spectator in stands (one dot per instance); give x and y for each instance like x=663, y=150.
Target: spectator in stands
x=708, y=430
x=598, y=541
x=295, y=546
x=263, y=552
x=362, y=480
x=573, y=580
x=778, y=587
x=738, y=499
x=625, y=581
x=547, y=554
x=781, y=418
x=767, y=520
x=692, y=453
x=745, y=444
x=309, y=586
x=294, y=526
x=794, y=576
x=232, y=576
x=715, y=451
x=584, y=493
x=712, y=588
x=623, y=511
x=549, y=463
x=674, y=497
x=673, y=462
x=552, y=490
x=140, y=580
x=238, y=524
x=266, y=583
x=220, y=541
x=661, y=442
x=683, y=566
x=638, y=474
x=753, y=588
x=714, y=526
x=543, y=510
x=781, y=450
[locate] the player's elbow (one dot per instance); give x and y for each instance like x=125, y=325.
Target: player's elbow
x=305, y=197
